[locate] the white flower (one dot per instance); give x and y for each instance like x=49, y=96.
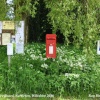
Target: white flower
x=32, y=56
x=20, y=68
x=65, y=59
x=45, y=59
x=67, y=74
x=41, y=58
x=71, y=65
x=40, y=54
x=30, y=65
x=38, y=71
x=79, y=64
x=53, y=59
x=60, y=58
x=27, y=59
x=76, y=75
x=44, y=66
x=71, y=75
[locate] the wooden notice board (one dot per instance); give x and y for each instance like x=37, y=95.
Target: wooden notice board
x=8, y=31
x=8, y=25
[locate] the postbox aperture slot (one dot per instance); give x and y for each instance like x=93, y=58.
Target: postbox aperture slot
x=49, y=38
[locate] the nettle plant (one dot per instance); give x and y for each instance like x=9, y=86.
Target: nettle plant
x=69, y=73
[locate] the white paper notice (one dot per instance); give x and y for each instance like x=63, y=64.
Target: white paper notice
x=20, y=32
x=50, y=49
x=0, y=26
x=98, y=47
x=6, y=38
x=19, y=48
x=9, y=49
x=18, y=38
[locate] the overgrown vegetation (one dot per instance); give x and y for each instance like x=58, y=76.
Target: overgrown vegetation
x=69, y=74
x=76, y=69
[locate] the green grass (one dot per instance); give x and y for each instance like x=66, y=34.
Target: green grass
x=3, y=53
x=71, y=75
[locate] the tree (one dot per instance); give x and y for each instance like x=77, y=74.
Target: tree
x=75, y=18
x=39, y=25
x=3, y=9
x=22, y=10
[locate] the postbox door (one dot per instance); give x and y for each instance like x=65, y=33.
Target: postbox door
x=51, y=46
x=51, y=50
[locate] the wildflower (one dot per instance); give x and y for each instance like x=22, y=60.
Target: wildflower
x=44, y=66
x=20, y=68
x=30, y=65
x=53, y=59
x=76, y=75
x=45, y=59
x=71, y=75
x=67, y=74
x=38, y=71
x=32, y=56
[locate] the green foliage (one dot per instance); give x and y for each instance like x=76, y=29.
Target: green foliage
x=3, y=50
x=76, y=19
x=73, y=72
x=32, y=73
x=22, y=9
x=3, y=9
x=25, y=8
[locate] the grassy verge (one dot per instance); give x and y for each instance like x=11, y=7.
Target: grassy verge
x=72, y=73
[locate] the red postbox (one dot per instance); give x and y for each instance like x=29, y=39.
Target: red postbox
x=51, y=45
